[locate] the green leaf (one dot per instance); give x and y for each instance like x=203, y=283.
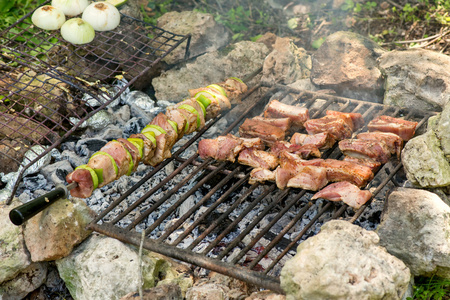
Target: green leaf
x=317, y=43
x=6, y=5
x=292, y=23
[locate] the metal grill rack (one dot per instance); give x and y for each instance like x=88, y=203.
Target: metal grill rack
x=44, y=80
x=228, y=183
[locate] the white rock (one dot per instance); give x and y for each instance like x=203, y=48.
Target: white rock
x=344, y=261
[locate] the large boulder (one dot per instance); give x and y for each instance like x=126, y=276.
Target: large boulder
x=25, y=282
x=14, y=257
x=206, y=34
x=286, y=63
x=424, y=160
x=54, y=232
x=347, y=63
x=344, y=261
x=415, y=227
x=240, y=60
x=416, y=78
x=105, y=268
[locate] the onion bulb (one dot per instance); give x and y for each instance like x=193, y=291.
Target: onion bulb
x=71, y=8
x=102, y=16
x=48, y=17
x=77, y=31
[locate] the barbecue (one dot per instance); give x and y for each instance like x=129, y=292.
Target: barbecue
x=226, y=180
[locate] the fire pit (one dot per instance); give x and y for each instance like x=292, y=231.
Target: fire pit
x=49, y=87
x=206, y=213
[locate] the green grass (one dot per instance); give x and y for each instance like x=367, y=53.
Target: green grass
x=433, y=288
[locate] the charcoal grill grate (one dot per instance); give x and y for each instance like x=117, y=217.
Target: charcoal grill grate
x=256, y=253
x=44, y=81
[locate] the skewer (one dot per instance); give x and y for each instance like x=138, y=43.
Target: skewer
x=21, y=214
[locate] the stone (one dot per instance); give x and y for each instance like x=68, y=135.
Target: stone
x=14, y=257
x=239, y=60
x=208, y=291
x=286, y=63
x=27, y=281
x=344, y=261
x=416, y=78
x=105, y=268
x=265, y=295
x=163, y=292
x=268, y=39
x=347, y=63
x=415, y=227
x=442, y=129
x=206, y=34
x=57, y=171
x=424, y=161
x=53, y=233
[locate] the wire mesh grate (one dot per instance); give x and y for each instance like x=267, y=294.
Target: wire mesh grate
x=241, y=230
x=49, y=87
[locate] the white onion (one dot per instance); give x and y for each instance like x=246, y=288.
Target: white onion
x=71, y=8
x=102, y=16
x=48, y=17
x=77, y=31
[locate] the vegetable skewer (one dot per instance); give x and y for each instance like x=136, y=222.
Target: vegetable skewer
x=154, y=143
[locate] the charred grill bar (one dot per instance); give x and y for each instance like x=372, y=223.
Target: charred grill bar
x=226, y=195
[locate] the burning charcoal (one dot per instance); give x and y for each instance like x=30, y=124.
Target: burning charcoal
x=111, y=132
x=123, y=114
x=74, y=159
x=86, y=147
x=35, y=182
x=139, y=99
x=141, y=114
x=57, y=172
x=134, y=125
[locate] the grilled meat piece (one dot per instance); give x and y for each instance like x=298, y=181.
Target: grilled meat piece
x=291, y=165
x=133, y=150
x=392, y=141
x=266, y=132
x=356, y=118
x=223, y=148
x=338, y=170
x=149, y=148
x=85, y=185
x=176, y=116
x=309, y=178
x=261, y=175
x=229, y=147
x=120, y=155
x=104, y=163
x=346, y=192
x=282, y=177
x=404, y=129
x=255, y=143
x=297, y=115
x=340, y=128
x=283, y=123
x=234, y=88
x=373, y=165
x=258, y=159
x=322, y=140
x=365, y=149
x=304, y=151
x=294, y=162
